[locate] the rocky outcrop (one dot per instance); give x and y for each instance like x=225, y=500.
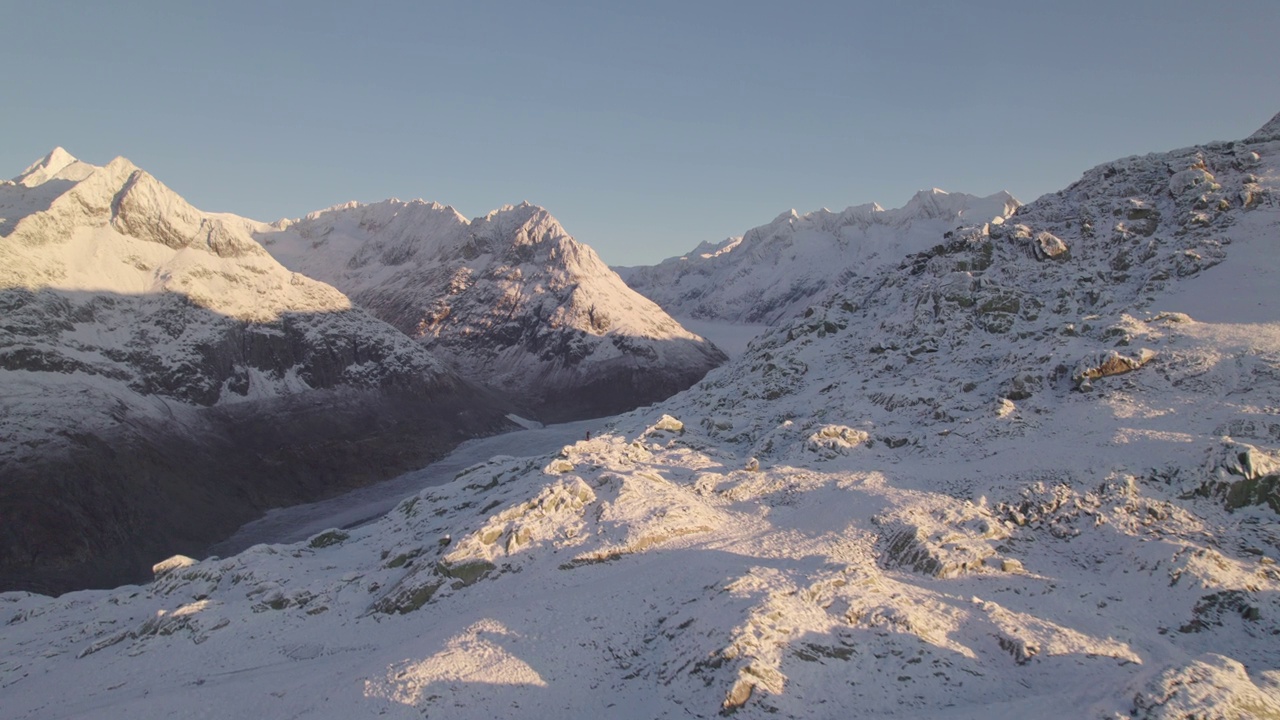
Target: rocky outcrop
x=1240, y=475
x=1108, y=363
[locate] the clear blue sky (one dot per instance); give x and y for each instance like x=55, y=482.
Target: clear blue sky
x=646, y=128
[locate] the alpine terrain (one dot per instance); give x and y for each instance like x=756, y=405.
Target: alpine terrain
x=776, y=270
x=163, y=380
x=509, y=299
x=1025, y=469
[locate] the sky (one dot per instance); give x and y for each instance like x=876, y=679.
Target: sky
x=645, y=127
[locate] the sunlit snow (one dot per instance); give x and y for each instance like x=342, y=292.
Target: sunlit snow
x=996, y=478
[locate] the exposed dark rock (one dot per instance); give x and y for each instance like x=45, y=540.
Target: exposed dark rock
x=114, y=503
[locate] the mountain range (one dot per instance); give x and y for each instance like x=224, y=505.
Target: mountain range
x=166, y=379
x=1027, y=467
x=776, y=270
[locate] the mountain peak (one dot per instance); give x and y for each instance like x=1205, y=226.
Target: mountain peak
x=46, y=167
x=928, y=203
x=524, y=209
x=1003, y=204
x=940, y=204
x=507, y=220
x=349, y=205
x=1269, y=131
x=122, y=164
x=786, y=217
x=58, y=157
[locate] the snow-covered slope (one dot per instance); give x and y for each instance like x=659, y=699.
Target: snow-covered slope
x=158, y=286
x=1022, y=474
x=123, y=312
x=510, y=299
x=775, y=270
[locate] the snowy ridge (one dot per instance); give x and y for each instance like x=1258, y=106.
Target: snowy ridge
x=118, y=276
x=775, y=270
x=1028, y=472
x=510, y=299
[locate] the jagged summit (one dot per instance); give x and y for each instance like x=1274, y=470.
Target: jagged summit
x=525, y=223
x=58, y=164
x=942, y=205
x=524, y=208
x=1269, y=131
x=391, y=205
x=44, y=168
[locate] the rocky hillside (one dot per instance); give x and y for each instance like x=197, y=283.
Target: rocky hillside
x=509, y=299
x=1033, y=312
x=1029, y=471
x=776, y=270
x=142, y=340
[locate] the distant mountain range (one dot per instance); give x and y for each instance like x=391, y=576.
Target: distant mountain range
x=775, y=270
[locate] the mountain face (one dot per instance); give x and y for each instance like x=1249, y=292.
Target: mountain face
x=509, y=299
x=164, y=379
x=1029, y=471
x=776, y=270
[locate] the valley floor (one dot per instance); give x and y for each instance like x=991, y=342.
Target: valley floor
x=366, y=504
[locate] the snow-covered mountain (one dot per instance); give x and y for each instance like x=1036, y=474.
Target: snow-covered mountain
x=141, y=338
x=509, y=299
x=1029, y=471
x=775, y=270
